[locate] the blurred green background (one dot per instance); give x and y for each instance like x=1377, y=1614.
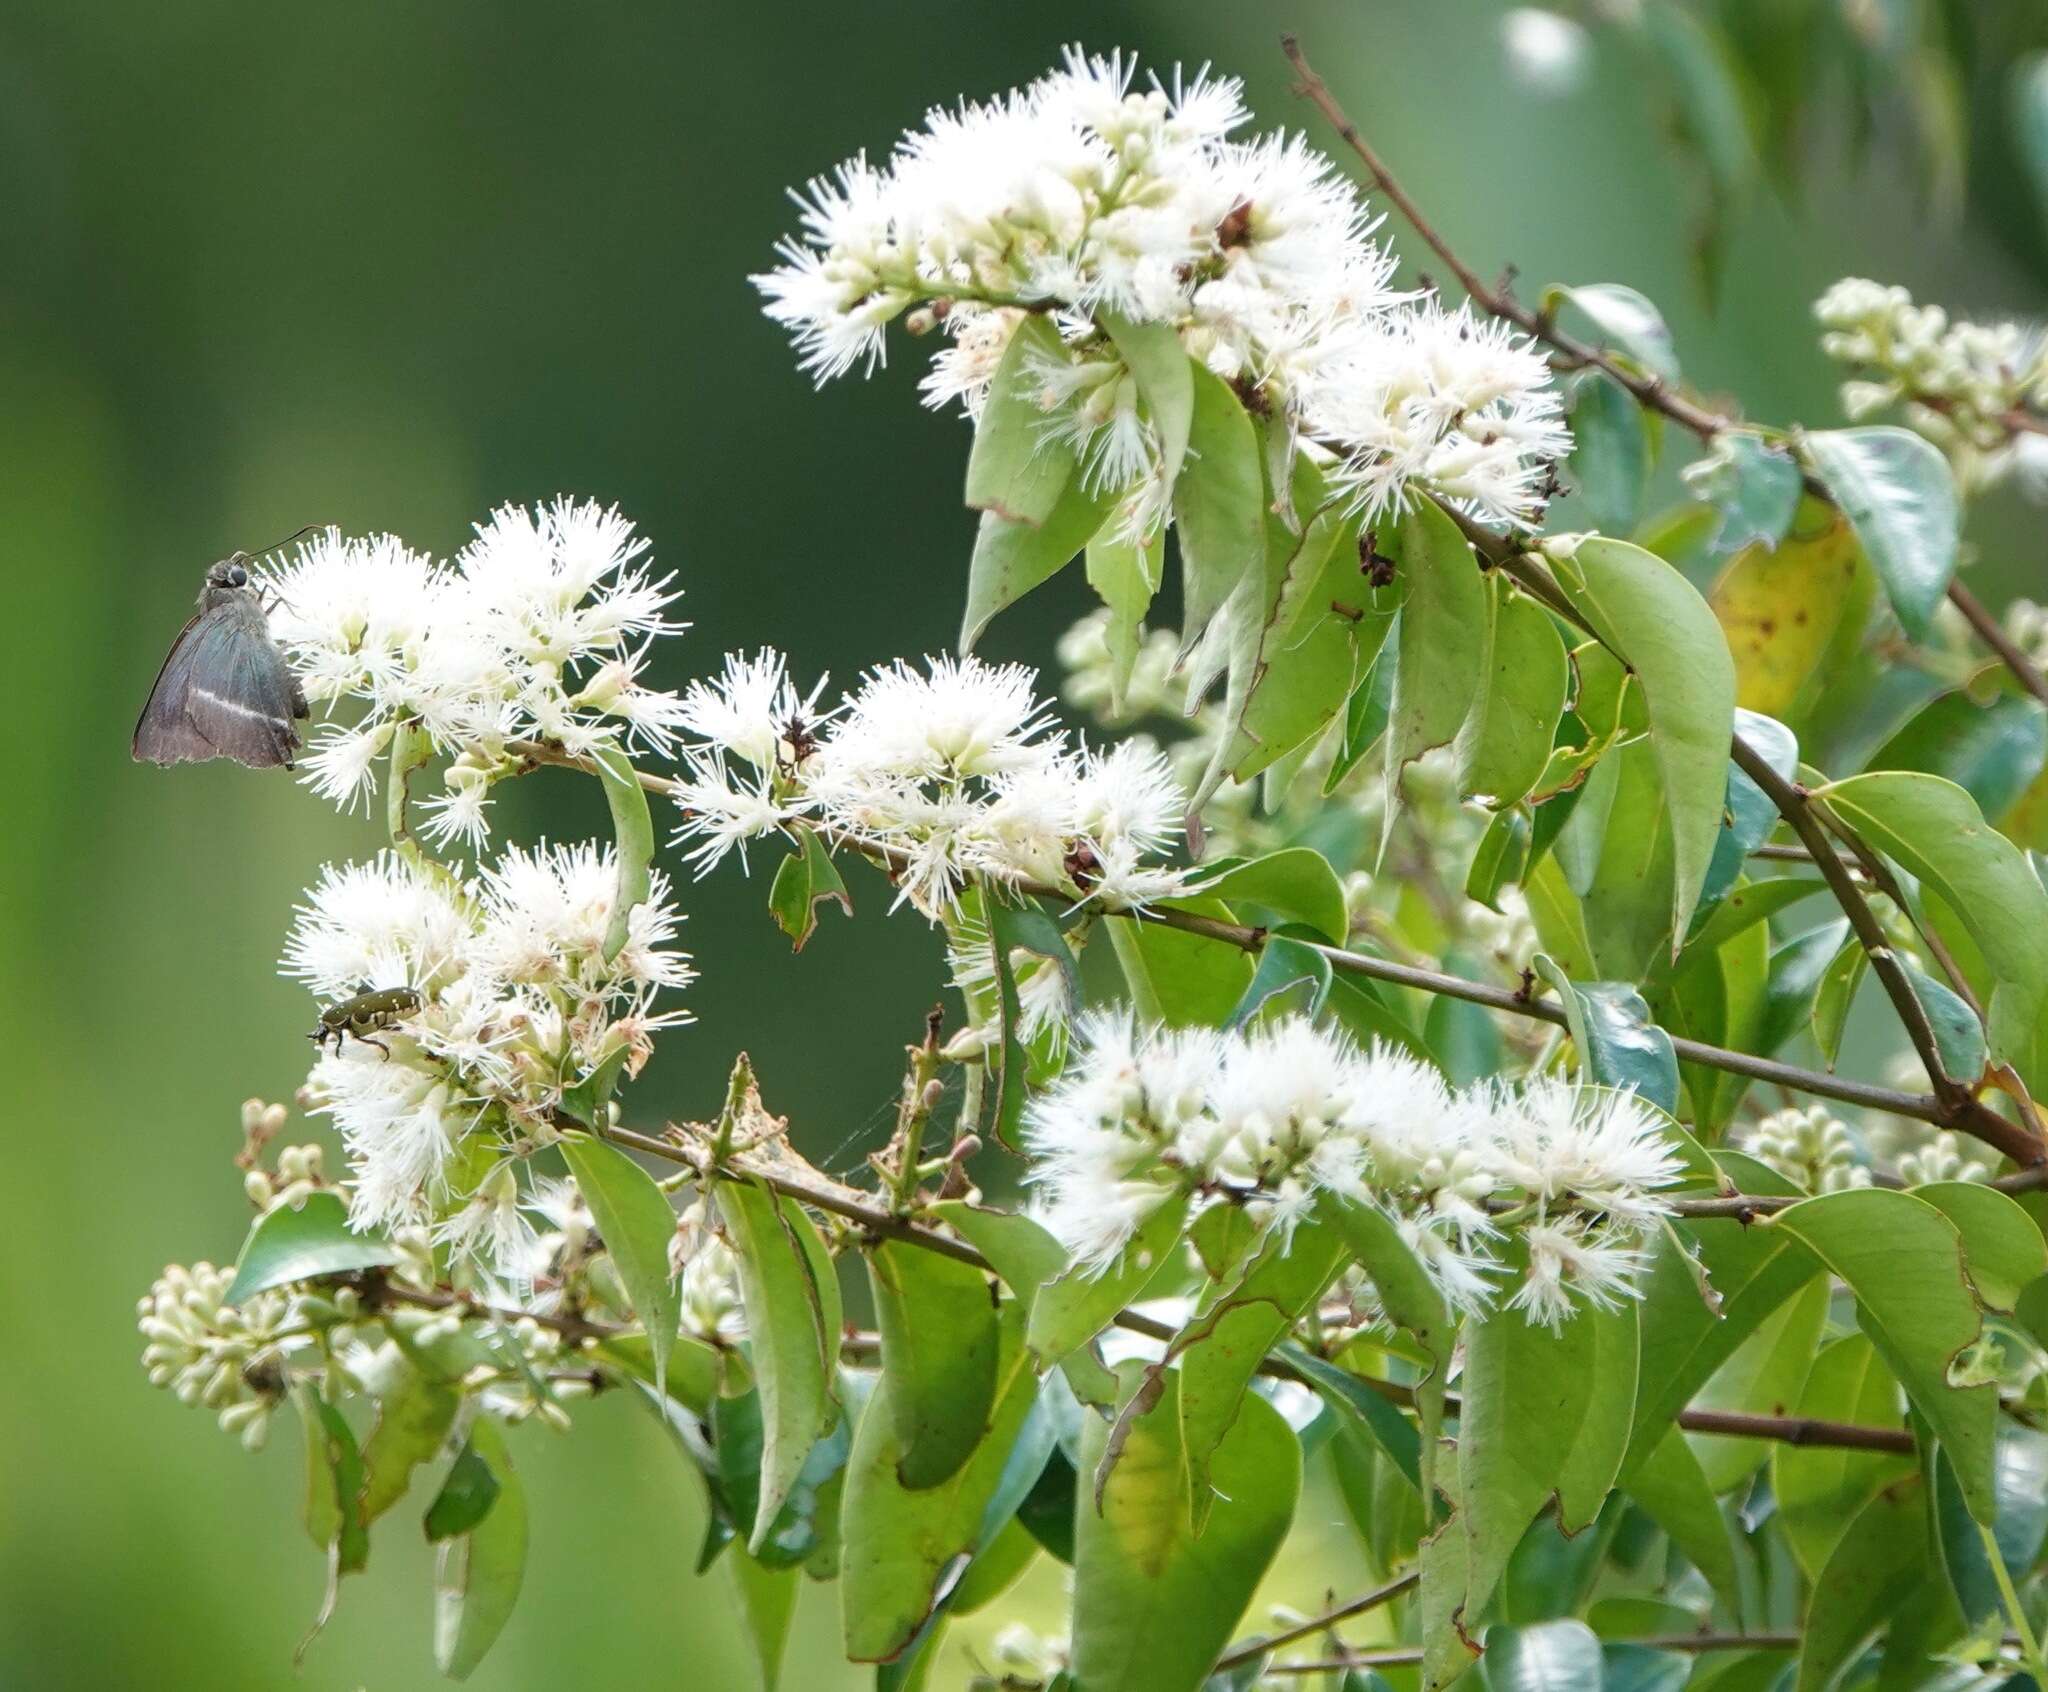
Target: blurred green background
x=387, y=266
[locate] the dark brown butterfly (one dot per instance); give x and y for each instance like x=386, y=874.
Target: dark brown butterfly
x=224, y=691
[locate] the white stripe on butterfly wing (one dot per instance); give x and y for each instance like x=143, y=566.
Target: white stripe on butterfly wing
x=239, y=709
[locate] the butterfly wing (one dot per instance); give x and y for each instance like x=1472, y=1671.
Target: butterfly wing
x=224, y=692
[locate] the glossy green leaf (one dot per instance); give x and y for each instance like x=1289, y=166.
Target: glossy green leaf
x=1836, y=996
x=1011, y=558
x=1652, y=616
x=1015, y=469
x=1013, y=926
x=1761, y=1376
x=1903, y=1259
x=1821, y=1488
x=1933, y=830
x=1294, y=884
x=1958, y=1035
x=1166, y=383
x=1025, y=1257
x=1075, y=1308
x=1719, y=997
x=2020, y=1476
x=467, y=1494
x=1751, y=903
x=1618, y=1043
x=1877, y=1562
x=1628, y=321
x=1753, y=487
x=1505, y=742
x=1411, y=1299
x=1286, y=962
x=334, y=1507
x=1993, y=751
x=1442, y=636
x=477, y=1574
x=1554, y=1656
x=1798, y=968
x=1896, y=490
x=637, y=1225
x=1372, y=1414
x=803, y=881
x=1750, y=816
x=793, y=1318
x=633, y=835
x=1154, y=1604
x=939, y=1355
x=768, y=1606
x=695, y=1370
x=2003, y=1250
x=899, y=1545
x=1180, y=979
x=303, y=1243
x=1610, y=457
x=1219, y=503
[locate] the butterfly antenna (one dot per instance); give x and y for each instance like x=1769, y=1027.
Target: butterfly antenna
x=265, y=551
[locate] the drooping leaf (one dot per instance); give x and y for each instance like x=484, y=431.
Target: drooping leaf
x=636, y=1223
x=1648, y=613
x=1166, y=383
x=1903, y=1259
x=301, y=1243
x=1075, y=1308
x=1153, y=1603
x=1618, y=1043
x=1024, y=1256
x=1505, y=742
x=803, y=881
x=1219, y=503
x=1442, y=632
x=940, y=1348
x=2021, y=1478
x=1011, y=558
x=1125, y=577
x=1627, y=320
x=1760, y=1377
x=1610, y=457
x=414, y=1416
x=1958, y=1035
x=1672, y=1489
x=1835, y=996
x=1992, y=751
x=633, y=836
x=477, y=1574
x=792, y=1305
x=1896, y=490
x=1750, y=816
x=1181, y=979
x=768, y=1605
x=467, y=1494
x=1371, y=1413
x=1876, y=1562
x=901, y=1547
x=1015, y=469
x=333, y=1511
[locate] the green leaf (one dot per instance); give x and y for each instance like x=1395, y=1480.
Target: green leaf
x=637, y=1225
x=1719, y=997
x=1125, y=577
x=1166, y=382
x=414, y=1415
x=899, y=1545
x=1618, y=1043
x=1221, y=1348
x=1933, y=830
x=633, y=833
x=1409, y=1296
x=1896, y=490
x=1505, y=742
x=768, y=1604
x=1370, y=1413
x=1821, y=1488
x=1787, y=607
x=792, y=1306
x=1554, y=1656
x=1153, y=1604
x=1750, y=815
x=1992, y=751
x=1183, y=980
x=2030, y=121
x=1672, y=1489
x=1754, y=486
x=1024, y=1256
x=1749, y=904
x=695, y=1370
x=1500, y=857
x=1627, y=320
x=1011, y=558
x=1879, y=1560
x=1072, y=1310
x=1285, y=962
x=1903, y=1259
x=1958, y=1035
x=1760, y=1377
x=939, y=1354
x=477, y=1575
x=1836, y=996
x=1219, y=503
x=334, y=1509
x=1014, y=469
x=804, y=880
x=2002, y=1249
x=1610, y=457
x=1294, y=884
x=302, y=1244
x=1442, y=636
x=467, y=1494
x=2021, y=1475
x=1652, y=616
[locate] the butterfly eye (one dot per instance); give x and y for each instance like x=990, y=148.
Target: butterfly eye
x=237, y=576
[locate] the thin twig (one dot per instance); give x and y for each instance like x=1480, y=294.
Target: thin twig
x=1395, y=1655
x=1318, y=1624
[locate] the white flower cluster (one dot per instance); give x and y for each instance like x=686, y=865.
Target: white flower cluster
x=1809, y=1145
x=1961, y=383
x=1273, y=1118
x=1083, y=195
x=225, y=1357
x=952, y=772
x=517, y=1005
x=537, y=629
